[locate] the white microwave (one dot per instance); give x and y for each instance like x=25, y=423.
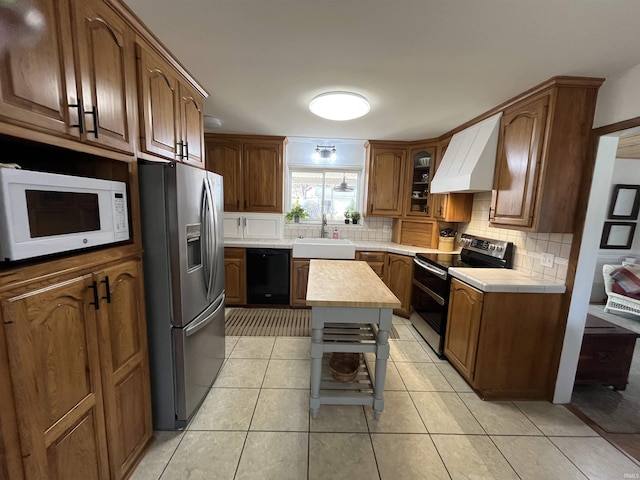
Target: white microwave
x=46, y=213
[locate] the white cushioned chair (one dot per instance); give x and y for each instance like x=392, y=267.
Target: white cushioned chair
x=615, y=301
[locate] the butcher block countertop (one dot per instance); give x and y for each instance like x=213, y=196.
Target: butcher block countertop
x=339, y=283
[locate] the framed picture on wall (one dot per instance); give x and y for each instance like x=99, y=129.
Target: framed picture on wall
x=625, y=202
x=617, y=235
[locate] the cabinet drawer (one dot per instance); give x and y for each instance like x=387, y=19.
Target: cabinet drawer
x=232, y=252
x=371, y=256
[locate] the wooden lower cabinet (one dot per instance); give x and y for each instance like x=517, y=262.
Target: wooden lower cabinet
x=398, y=276
x=299, y=280
x=77, y=365
x=376, y=261
x=465, y=313
x=501, y=343
x=235, y=276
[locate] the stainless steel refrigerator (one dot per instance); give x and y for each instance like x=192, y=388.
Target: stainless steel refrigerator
x=184, y=286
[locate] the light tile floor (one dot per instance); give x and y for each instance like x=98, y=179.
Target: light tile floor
x=255, y=424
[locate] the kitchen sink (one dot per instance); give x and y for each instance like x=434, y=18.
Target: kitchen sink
x=323, y=248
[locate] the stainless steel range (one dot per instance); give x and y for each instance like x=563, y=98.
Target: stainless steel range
x=431, y=282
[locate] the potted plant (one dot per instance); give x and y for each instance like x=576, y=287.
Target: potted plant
x=296, y=213
x=355, y=216
x=347, y=215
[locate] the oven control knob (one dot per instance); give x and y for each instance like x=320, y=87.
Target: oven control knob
x=498, y=248
x=492, y=246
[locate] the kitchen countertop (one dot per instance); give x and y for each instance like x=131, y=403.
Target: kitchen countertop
x=335, y=283
x=505, y=280
x=362, y=245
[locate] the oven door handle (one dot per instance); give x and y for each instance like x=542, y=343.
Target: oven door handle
x=439, y=300
x=442, y=274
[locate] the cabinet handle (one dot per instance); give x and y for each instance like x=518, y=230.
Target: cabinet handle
x=238, y=204
x=245, y=204
x=186, y=149
x=96, y=121
x=489, y=214
x=96, y=301
x=80, y=123
x=244, y=222
x=107, y=289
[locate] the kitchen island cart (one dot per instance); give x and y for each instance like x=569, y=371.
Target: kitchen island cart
x=352, y=311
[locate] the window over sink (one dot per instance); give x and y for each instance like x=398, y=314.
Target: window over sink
x=328, y=191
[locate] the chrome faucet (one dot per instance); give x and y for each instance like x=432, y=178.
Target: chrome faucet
x=323, y=230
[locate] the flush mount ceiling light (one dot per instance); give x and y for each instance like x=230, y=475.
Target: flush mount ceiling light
x=212, y=122
x=325, y=152
x=339, y=106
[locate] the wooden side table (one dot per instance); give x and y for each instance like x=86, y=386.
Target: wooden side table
x=606, y=354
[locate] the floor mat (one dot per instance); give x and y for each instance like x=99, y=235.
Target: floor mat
x=272, y=322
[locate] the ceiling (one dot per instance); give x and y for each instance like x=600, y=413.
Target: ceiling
x=426, y=66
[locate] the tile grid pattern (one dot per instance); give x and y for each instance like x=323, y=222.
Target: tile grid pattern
x=369, y=229
x=255, y=424
x=529, y=247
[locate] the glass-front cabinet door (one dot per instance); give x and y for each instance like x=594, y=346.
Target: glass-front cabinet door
x=421, y=169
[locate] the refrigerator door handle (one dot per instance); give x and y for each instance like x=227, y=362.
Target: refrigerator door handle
x=214, y=235
x=212, y=241
x=192, y=329
x=206, y=250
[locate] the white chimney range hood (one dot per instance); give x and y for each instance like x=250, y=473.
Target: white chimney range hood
x=469, y=162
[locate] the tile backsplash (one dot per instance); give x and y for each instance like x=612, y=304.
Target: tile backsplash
x=373, y=229
x=528, y=247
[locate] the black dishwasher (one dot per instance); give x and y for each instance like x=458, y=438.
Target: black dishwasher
x=268, y=276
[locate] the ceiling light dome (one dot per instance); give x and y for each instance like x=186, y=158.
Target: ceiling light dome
x=339, y=106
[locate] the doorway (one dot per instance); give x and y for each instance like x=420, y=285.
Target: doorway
x=605, y=408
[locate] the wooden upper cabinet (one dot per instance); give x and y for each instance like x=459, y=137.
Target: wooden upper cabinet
x=105, y=54
x=171, y=112
x=541, y=153
x=262, y=170
x=158, y=91
x=385, y=173
x=37, y=82
x=224, y=159
x=125, y=365
x=252, y=168
x=55, y=371
x=421, y=165
x=518, y=164
x=78, y=81
x=192, y=126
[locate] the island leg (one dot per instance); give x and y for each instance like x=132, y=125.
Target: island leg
x=316, y=370
x=382, y=356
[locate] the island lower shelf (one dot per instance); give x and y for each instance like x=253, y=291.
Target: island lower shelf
x=360, y=391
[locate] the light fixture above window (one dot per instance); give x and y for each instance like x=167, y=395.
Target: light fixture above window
x=339, y=106
x=324, y=152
